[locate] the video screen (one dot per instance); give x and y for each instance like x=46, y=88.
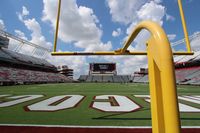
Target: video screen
x=104, y=67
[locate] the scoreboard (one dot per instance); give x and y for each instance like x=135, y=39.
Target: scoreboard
x=102, y=67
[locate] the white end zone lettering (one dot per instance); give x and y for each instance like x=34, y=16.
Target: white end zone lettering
x=1, y=96
x=56, y=103
x=18, y=100
x=193, y=97
x=114, y=103
x=182, y=107
x=190, y=99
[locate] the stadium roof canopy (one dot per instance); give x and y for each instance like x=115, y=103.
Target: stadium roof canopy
x=18, y=58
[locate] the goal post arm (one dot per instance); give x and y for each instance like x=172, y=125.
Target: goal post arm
x=156, y=31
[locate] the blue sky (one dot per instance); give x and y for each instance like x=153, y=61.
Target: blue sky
x=91, y=25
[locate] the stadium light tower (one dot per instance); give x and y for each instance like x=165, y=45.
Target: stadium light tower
x=163, y=92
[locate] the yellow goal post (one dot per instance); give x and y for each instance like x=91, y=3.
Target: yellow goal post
x=163, y=92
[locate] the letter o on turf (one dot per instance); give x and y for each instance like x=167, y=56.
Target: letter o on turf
x=56, y=103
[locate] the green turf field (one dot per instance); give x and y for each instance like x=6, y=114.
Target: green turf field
x=83, y=114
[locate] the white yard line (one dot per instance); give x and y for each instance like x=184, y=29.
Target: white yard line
x=76, y=126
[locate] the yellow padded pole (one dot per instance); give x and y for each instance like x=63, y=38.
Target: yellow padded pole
x=164, y=103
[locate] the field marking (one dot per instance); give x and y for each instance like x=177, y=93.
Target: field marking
x=1, y=96
x=123, y=104
x=19, y=99
x=183, y=108
x=64, y=102
x=76, y=126
x=193, y=97
x=189, y=99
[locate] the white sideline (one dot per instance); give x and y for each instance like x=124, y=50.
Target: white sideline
x=76, y=126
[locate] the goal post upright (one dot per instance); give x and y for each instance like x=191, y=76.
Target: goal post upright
x=57, y=26
x=187, y=41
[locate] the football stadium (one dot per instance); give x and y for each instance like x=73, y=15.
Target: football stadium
x=161, y=95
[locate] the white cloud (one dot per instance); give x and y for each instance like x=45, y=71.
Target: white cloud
x=124, y=11
x=152, y=11
x=78, y=25
x=20, y=34
x=132, y=64
x=117, y=32
x=171, y=37
x=33, y=25
x=170, y=17
x=97, y=46
x=36, y=34
x=195, y=43
x=158, y=1
x=25, y=12
x=2, y=25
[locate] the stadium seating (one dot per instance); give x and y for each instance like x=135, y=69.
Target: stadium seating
x=83, y=78
x=126, y=78
x=108, y=79
x=142, y=78
x=22, y=76
x=105, y=78
x=184, y=75
x=97, y=78
x=192, y=76
x=16, y=68
x=187, y=73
